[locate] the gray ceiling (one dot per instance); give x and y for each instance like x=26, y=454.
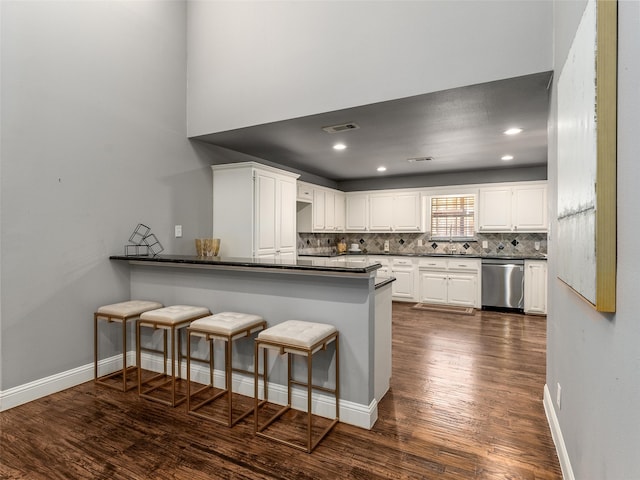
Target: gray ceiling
x=462, y=129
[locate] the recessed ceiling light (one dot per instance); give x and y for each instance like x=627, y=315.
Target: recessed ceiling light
x=513, y=131
x=339, y=146
x=507, y=157
x=382, y=169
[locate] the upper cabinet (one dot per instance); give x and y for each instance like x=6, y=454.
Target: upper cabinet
x=254, y=210
x=384, y=211
x=407, y=214
x=530, y=208
x=381, y=212
x=320, y=209
x=521, y=208
x=357, y=212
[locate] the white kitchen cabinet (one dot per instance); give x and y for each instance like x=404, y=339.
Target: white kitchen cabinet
x=318, y=210
x=530, y=208
x=381, y=212
x=329, y=211
x=535, y=286
x=462, y=289
x=385, y=211
x=324, y=213
x=515, y=208
x=254, y=210
x=304, y=192
x=339, y=211
x=451, y=281
x=404, y=270
x=495, y=209
x=357, y=211
x=407, y=212
x=433, y=287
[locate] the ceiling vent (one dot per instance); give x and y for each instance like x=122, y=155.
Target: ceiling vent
x=419, y=159
x=341, y=128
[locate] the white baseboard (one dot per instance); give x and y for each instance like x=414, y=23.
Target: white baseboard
x=359, y=415
x=28, y=392
x=556, y=433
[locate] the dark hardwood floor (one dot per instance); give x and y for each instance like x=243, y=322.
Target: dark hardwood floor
x=465, y=403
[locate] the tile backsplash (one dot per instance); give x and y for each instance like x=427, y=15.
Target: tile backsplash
x=513, y=243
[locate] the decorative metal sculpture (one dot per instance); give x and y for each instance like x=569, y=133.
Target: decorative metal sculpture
x=143, y=243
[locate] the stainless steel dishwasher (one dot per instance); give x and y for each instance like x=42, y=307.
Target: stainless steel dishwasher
x=503, y=283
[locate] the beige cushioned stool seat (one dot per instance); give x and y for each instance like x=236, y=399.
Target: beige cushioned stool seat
x=128, y=309
x=226, y=323
x=174, y=314
x=172, y=320
x=123, y=313
x=296, y=337
x=297, y=333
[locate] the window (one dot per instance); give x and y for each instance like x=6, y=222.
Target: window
x=453, y=217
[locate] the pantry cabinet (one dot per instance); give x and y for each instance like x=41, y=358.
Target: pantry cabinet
x=254, y=210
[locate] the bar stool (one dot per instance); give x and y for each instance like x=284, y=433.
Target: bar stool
x=228, y=327
x=122, y=312
x=298, y=338
x=169, y=319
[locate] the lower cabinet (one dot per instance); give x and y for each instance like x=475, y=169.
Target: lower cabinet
x=462, y=289
x=535, y=286
x=433, y=287
x=404, y=270
x=450, y=281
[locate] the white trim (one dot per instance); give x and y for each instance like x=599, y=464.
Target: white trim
x=28, y=392
x=359, y=415
x=356, y=414
x=556, y=433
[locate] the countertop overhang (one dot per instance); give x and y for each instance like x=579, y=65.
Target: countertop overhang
x=302, y=265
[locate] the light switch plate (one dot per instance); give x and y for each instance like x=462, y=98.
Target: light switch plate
x=178, y=231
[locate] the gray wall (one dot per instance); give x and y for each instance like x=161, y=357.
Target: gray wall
x=93, y=142
x=595, y=357
x=315, y=57
x=452, y=178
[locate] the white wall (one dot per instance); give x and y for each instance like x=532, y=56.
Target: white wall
x=596, y=357
x=255, y=62
x=93, y=141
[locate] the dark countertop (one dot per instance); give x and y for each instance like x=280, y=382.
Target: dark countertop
x=301, y=265
x=446, y=255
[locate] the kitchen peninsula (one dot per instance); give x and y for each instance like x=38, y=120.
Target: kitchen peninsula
x=347, y=295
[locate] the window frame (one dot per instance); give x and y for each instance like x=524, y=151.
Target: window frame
x=447, y=238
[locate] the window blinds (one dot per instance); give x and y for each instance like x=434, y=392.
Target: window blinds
x=453, y=217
